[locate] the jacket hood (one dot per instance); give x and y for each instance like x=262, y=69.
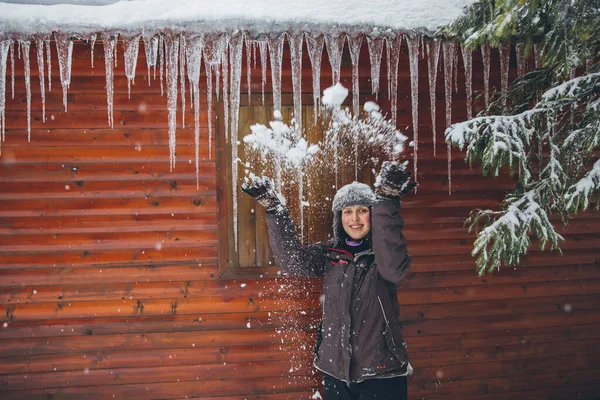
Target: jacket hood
x=352, y=194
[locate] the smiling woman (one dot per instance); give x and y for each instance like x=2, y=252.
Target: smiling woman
x=360, y=338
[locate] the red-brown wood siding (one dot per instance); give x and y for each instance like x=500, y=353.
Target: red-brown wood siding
x=109, y=274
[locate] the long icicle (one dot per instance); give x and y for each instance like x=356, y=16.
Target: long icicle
x=131, y=49
x=413, y=56
x=433, y=57
x=172, y=56
x=448, y=50
x=39, y=45
x=354, y=45
x=375, y=55
x=25, y=46
x=315, y=54
x=485, y=57
x=235, y=43
x=467, y=56
x=224, y=48
x=504, y=51
x=295, y=40
x=12, y=68
x=212, y=54
x=195, y=45
x=109, y=50
x=262, y=48
x=49, y=62
x=276, y=55
x=249, y=52
x=182, y=66
x=335, y=48
x=393, y=46
x=64, y=48
x=4, y=47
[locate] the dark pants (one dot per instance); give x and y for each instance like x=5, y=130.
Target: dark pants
x=372, y=389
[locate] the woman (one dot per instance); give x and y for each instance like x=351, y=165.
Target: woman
x=360, y=348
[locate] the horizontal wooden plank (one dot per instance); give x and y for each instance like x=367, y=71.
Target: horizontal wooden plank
x=182, y=389
x=564, y=384
x=101, y=205
x=288, y=286
x=98, y=137
x=116, y=171
x=110, y=359
x=160, y=374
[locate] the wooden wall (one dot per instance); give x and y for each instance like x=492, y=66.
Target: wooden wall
x=110, y=284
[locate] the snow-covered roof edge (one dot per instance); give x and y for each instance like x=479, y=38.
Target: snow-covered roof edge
x=375, y=17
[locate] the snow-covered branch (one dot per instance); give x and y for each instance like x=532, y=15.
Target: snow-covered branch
x=506, y=236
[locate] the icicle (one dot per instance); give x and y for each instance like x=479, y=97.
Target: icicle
x=161, y=60
x=520, y=52
x=354, y=45
x=413, y=56
x=64, y=48
x=195, y=45
x=262, y=47
x=249, y=50
x=115, y=55
x=182, y=66
x=448, y=50
x=209, y=94
x=504, y=69
x=375, y=54
x=39, y=45
x=485, y=57
x=393, y=50
x=4, y=48
x=172, y=55
x=295, y=42
x=12, y=68
x=213, y=53
x=236, y=42
x=24, y=45
x=151, y=50
x=315, y=53
x=276, y=55
x=109, y=49
x=433, y=57
x=467, y=56
x=132, y=48
x=389, y=68
x=225, y=70
x=335, y=48
x=92, y=45
x=213, y=44
x=49, y=61
x=455, y=70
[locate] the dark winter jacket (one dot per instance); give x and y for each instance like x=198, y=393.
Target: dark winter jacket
x=361, y=337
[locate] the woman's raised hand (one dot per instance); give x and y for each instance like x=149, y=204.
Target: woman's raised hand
x=261, y=189
x=393, y=180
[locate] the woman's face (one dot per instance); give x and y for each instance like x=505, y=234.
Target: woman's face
x=356, y=221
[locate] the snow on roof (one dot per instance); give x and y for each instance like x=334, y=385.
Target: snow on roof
x=256, y=16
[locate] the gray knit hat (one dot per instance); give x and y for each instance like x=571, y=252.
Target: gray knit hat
x=352, y=194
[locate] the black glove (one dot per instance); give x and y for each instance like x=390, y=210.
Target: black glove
x=261, y=189
x=393, y=180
